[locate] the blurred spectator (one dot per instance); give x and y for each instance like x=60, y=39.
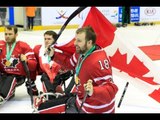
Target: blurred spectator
x=30, y=13
x=125, y=16
x=3, y=12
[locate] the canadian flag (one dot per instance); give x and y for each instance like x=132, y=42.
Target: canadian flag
x=125, y=57
x=103, y=28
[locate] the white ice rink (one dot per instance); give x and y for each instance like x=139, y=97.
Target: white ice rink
x=134, y=100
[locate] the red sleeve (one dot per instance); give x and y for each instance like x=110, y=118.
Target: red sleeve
x=107, y=91
x=33, y=74
x=31, y=60
x=103, y=86
x=36, y=51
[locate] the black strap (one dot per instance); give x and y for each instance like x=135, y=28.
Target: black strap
x=28, y=79
x=70, y=86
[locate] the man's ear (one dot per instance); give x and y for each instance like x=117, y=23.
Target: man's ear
x=90, y=42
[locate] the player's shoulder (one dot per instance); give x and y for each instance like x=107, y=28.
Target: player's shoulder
x=99, y=52
x=22, y=43
x=37, y=46
x=2, y=42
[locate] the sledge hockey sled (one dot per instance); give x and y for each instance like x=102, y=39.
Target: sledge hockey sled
x=55, y=102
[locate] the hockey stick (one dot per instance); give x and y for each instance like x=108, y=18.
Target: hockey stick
x=84, y=99
x=29, y=80
x=76, y=12
x=85, y=96
x=122, y=96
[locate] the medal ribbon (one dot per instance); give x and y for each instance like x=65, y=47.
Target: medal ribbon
x=49, y=59
x=9, y=52
x=78, y=67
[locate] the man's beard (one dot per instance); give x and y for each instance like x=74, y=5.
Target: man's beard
x=82, y=50
x=11, y=41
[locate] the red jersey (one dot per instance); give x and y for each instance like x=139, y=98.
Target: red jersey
x=16, y=66
x=97, y=68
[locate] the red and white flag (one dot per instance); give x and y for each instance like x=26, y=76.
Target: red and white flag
x=123, y=55
x=103, y=28
x=51, y=68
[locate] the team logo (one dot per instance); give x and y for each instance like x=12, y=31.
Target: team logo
x=9, y=64
x=61, y=14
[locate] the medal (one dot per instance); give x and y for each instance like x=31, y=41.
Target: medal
x=80, y=61
x=8, y=63
x=77, y=81
x=9, y=60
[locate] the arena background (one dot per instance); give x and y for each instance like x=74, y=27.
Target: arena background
x=129, y=39
x=54, y=17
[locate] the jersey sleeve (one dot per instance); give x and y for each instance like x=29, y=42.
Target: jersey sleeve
x=105, y=89
x=31, y=60
x=33, y=74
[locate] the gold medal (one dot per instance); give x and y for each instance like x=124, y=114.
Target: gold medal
x=77, y=81
x=8, y=63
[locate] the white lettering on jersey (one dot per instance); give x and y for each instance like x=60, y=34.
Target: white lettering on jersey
x=104, y=64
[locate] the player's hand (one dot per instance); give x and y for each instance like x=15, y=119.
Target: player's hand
x=50, y=50
x=88, y=87
x=51, y=53
x=23, y=57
